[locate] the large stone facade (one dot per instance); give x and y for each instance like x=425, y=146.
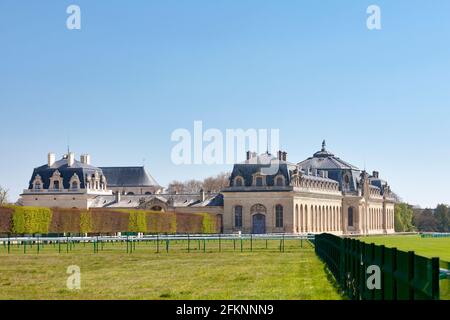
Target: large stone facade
x=266, y=194
x=321, y=194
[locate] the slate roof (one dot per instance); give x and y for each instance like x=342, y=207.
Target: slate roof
x=128, y=177
x=262, y=164
x=81, y=169
x=326, y=160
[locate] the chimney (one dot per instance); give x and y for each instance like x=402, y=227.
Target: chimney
x=51, y=159
x=280, y=155
x=284, y=156
x=202, y=195
x=71, y=159
x=85, y=159
x=375, y=174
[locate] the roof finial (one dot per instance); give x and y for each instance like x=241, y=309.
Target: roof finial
x=324, y=145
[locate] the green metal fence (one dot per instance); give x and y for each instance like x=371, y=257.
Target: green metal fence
x=403, y=275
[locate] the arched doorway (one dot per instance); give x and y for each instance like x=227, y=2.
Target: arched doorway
x=259, y=224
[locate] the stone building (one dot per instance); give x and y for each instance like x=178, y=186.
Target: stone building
x=266, y=194
x=323, y=193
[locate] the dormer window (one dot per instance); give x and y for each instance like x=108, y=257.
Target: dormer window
x=56, y=181
x=259, y=181
x=238, y=182
x=279, y=181
x=37, y=183
x=74, y=182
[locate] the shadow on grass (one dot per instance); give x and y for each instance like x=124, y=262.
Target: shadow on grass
x=334, y=283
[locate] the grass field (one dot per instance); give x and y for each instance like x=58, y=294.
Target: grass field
x=144, y=274
x=427, y=247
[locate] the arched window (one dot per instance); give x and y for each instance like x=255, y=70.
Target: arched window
x=148, y=193
x=279, y=216
x=130, y=194
x=350, y=217
x=74, y=185
x=279, y=181
x=56, y=185
x=238, y=217
x=238, y=182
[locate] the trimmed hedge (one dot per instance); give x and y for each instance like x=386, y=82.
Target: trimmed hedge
x=32, y=220
x=65, y=220
x=6, y=214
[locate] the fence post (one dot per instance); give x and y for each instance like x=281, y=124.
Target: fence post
x=157, y=243
x=189, y=244
x=435, y=294
x=251, y=243
x=9, y=244
x=411, y=275
x=220, y=243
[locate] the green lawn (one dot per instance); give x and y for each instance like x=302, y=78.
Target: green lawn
x=145, y=274
x=427, y=247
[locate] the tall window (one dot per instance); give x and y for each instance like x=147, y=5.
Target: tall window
x=238, y=217
x=37, y=186
x=56, y=185
x=350, y=217
x=75, y=185
x=279, y=216
x=238, y=182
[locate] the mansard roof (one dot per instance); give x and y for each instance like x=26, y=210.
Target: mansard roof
x=81, y=169
x=262, y=164
x=128, y=177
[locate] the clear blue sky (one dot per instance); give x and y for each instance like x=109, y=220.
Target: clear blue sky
x=138, y=70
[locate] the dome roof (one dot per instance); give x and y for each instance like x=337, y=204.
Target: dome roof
x=326, y=160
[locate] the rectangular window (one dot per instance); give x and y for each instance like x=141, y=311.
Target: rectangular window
x=279, y=216
x=238, y=217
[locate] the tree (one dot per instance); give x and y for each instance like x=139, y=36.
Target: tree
x=3, y=196
x=176, y=187
x=442, y=215
x=193, y=186
x=403, y=218
x=425, y=221
x=217, y=183
x=212, y=184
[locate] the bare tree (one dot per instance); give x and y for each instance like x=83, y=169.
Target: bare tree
x=217, y=183
x=176, y=187
x=3, y=196
x=193, y=186
x=212, y=184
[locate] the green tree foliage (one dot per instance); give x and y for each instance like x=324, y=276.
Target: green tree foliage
x=31, y=220
x=442, y=215
x=425, y=221
x=403, y=218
